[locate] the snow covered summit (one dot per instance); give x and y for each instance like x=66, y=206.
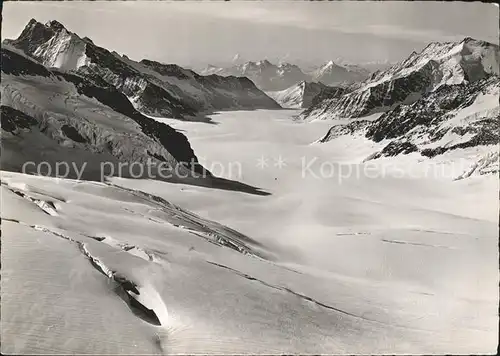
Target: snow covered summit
x=332, y=73
x=277, y=77
x=301, y=95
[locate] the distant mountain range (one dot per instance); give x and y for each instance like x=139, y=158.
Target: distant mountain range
x=275, y=77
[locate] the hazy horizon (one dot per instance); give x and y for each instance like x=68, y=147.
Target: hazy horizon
x=202, y=33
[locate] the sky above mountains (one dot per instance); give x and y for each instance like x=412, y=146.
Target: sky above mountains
x=196, y=33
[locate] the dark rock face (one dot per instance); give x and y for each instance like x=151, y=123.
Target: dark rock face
x=173, y=141
x=152, y=98
x=211, y=92
x=395, y=148
x=32, y=36
x=429, y=111
x=333, y=94
x=348, y=129
x=397, y=91
x=172, y=70
x=404, y=118
x=16, y=64
x=14, y=120
x=484, y=132
x=73, y=134
x=312, y=91
x=157, y=101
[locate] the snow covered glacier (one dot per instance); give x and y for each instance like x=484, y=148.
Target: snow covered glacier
x=334, y=236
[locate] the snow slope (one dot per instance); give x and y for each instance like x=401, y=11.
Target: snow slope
x=99, y=247
x=340, y=255
x=343, y=264
x=397, y=238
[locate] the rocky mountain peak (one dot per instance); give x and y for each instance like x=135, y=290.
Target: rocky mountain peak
x=31, y=23
x=32, y=35
x=55, y=25
x=264, y=63
x=329, y=64
x=470, y=39
x=332, y=73
x=286, y=65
